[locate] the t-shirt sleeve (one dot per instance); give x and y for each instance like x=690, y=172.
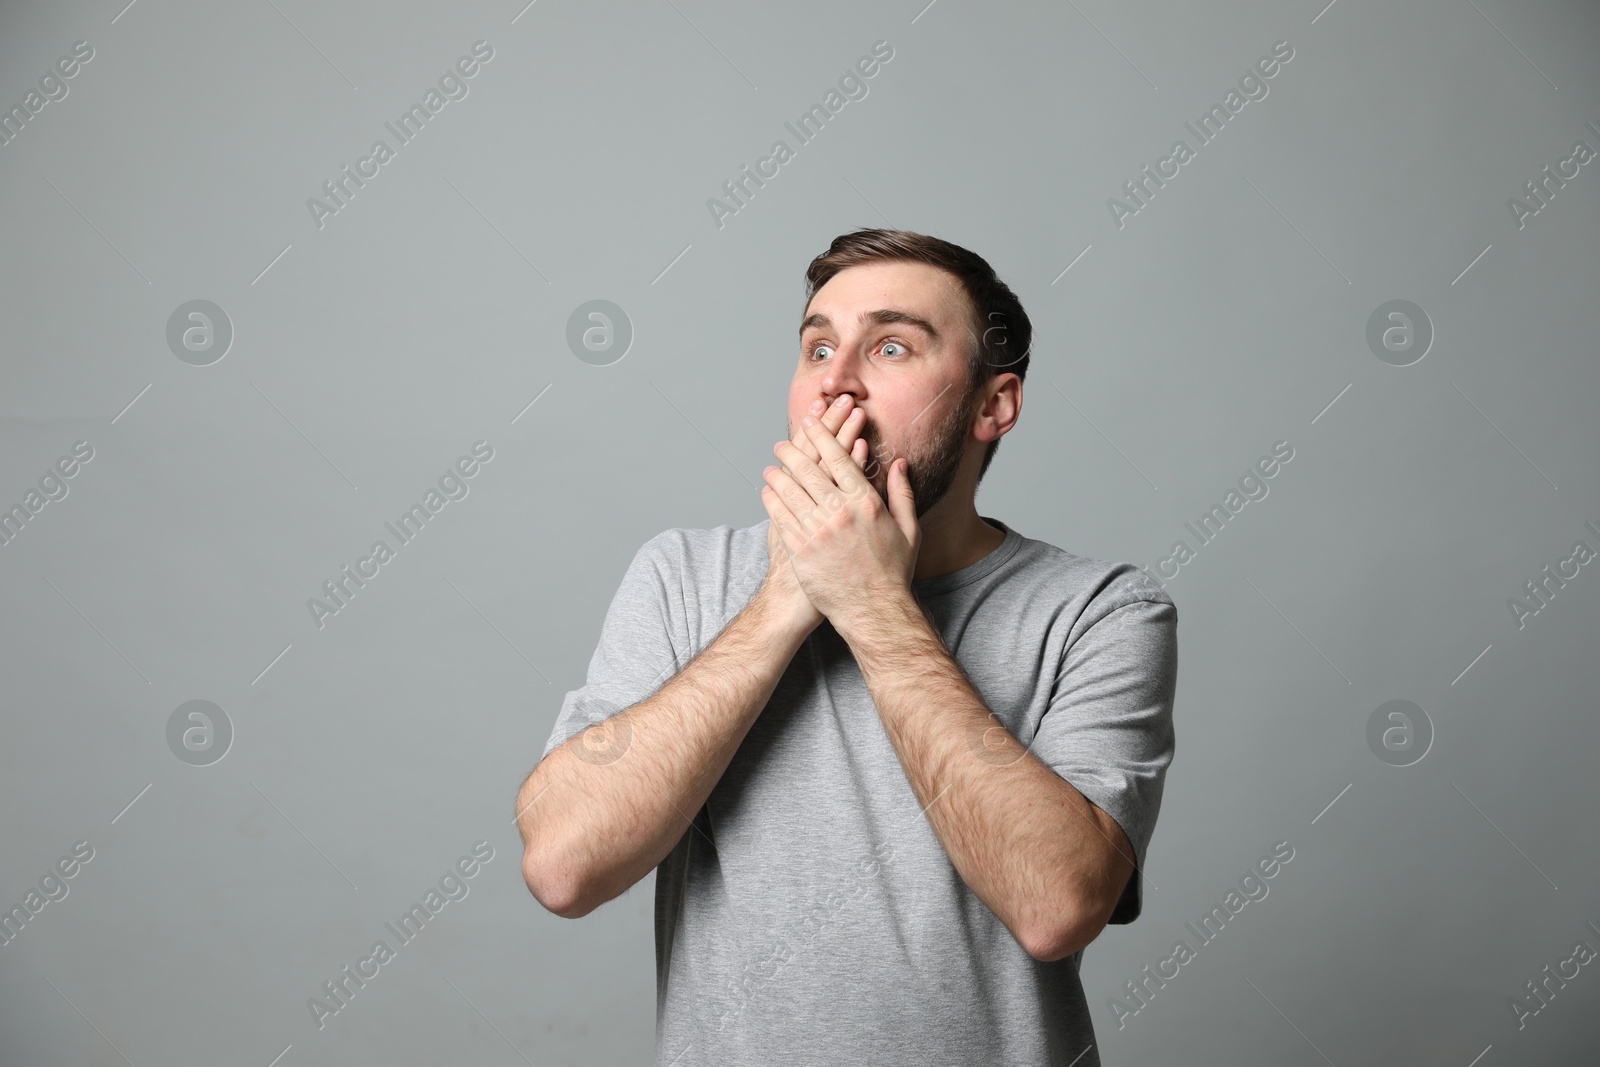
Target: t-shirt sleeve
x=635, y=656
x=1108, y=728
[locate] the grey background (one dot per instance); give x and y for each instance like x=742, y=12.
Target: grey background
x=368, y=355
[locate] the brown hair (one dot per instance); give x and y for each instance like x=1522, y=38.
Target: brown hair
x=1000, y=328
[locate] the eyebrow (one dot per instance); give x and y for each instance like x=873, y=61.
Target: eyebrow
x=881, y=317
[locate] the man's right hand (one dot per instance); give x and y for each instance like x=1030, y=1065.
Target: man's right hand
x=781, y=588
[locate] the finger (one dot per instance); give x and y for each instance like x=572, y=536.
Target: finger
x=807, y=472
x=854, y=424
x=835, y=416
x=847, y=434
x=782, y=518
x=845, y=429
x=903, y=502
x=835, y=461
x=789, y=492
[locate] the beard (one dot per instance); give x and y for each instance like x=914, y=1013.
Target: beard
x=931, y=467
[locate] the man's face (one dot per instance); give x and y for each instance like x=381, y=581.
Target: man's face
x=895, y=336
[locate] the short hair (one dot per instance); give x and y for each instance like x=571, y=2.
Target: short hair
x=1000, y=327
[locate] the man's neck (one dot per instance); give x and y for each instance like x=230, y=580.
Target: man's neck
x=950, y=544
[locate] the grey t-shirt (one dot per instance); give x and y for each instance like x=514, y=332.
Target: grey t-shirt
x=810, y=914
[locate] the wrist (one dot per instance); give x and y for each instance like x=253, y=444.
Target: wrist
x=774, y=613
x=884, y=620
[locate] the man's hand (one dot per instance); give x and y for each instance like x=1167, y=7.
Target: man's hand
x=844, y=423
x=849, y=551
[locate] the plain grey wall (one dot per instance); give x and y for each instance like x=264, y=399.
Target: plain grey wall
x=1175, y=346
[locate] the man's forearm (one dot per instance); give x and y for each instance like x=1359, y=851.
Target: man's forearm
x=592, y=829
x=1044, y=859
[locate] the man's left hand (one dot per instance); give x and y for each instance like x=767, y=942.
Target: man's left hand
x=850, y=551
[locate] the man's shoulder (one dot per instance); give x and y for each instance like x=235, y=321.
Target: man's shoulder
x=707, y=540
x=1100, y=585
x=716, y=551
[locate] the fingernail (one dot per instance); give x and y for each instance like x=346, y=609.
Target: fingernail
x=817, y=406
x=843, y=397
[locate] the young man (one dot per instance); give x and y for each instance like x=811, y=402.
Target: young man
x=906, y=761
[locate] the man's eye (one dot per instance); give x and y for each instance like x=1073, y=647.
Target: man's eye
x=899, y=349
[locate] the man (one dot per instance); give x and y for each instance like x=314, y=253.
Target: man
x=906, y=761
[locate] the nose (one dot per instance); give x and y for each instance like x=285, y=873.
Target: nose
x=842, y=376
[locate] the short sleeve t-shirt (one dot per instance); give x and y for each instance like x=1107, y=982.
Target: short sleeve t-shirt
x=810, y=915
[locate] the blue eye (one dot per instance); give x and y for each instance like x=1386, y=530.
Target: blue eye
x=899, y=353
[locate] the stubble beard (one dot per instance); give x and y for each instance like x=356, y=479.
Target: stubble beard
x=932, y=468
